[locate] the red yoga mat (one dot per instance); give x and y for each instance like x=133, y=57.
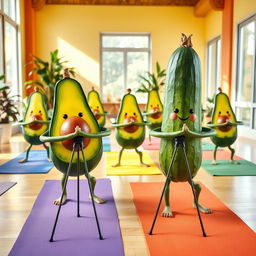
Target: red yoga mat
x=226, y=233
x=221, y=155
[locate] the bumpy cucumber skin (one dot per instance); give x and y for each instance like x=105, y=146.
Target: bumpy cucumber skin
x=183, y=91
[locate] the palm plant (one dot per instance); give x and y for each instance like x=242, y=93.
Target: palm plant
x=49, y=74
x=9, y=110
x=152, y=81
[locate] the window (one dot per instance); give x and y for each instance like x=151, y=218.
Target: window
x=213, y=66
x=123, y=58
x=9, y=42
x=245, y=79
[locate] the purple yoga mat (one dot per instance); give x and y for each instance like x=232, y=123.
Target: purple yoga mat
x=73, y=236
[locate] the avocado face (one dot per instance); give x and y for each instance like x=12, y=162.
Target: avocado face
x=96, y=107
x=223, y=112
x=70, y=110
x=130, y=112
x=154, y=104
x=36, y=110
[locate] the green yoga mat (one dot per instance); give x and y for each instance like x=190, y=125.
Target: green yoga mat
x=225, y=168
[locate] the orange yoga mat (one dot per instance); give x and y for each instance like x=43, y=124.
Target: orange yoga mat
x=227, y=234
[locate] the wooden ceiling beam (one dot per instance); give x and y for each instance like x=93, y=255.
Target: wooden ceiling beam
x=38, y=4
x=203, y=7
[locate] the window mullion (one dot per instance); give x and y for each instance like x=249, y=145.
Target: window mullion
x=125, y=70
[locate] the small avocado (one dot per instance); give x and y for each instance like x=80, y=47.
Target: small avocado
x=154, y=104
x=96, y=107
x=225, y=134
x=31, y=127
x=130, y=126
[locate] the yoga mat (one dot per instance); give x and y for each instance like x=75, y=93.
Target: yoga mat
x=225, y=168
x=209, y=146
x=73, y=236
x=221, y=155
x=155, y=144
x=226, y=233
x=37, y=163
x=130, y=164
x=6, y=185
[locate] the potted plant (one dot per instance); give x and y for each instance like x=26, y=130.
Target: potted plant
x=49, y=74
x=9, y=112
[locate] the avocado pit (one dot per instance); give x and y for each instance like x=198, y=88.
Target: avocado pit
x=68, y=127
x=35, y=126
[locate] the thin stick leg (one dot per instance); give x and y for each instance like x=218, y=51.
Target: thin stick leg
x=119, y=158
x=47, y=150
x=27, y=152
x=91, y=192
x=63, y=191
x=193, y=188
x=78, y=182
x=167, y=181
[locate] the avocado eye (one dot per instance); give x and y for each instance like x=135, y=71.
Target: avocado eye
x=80, y=114
x=227, y=112
x=219, y=112
x=97, y=106
x=31, y=112
x=40, y=112
x=157, y=105
x=151, y=106
x=191, y=111
x=134, y=114
x=176, y=110
x=65, y=116
x=125, y=114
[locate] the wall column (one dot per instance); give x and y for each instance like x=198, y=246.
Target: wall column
x=227, y=45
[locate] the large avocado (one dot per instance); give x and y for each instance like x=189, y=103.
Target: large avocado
x=70, y=110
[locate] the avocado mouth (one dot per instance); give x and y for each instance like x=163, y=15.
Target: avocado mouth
x=183, y=119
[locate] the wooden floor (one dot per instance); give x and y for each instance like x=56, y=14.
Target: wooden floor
x=238, y=193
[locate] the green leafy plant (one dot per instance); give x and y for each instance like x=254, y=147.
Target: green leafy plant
x=49, y=73
x=209, y=106
x=152, y=81
x=9, y=110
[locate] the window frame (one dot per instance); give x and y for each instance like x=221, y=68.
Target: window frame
x=125, y=51
x=16, y=25
x=217, y=65
x=238, y=103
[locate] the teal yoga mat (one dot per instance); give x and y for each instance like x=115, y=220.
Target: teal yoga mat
x=225, y=168
x=106, y=144
x=37, y=163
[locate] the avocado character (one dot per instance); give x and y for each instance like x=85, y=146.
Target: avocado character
x=35, y=122
x=154, y=110
x=182, y=119
x=96, y=107
x=72, y=117
x=225, y=124
x=130, y=126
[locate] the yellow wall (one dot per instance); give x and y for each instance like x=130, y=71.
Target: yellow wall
x=213, y=25
x=75, y=31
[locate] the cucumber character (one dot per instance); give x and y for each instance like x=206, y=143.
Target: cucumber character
x=182, y=117
x=72, y=117
x=130, y=126
x=225, y=124
x=96, y=107
x=35, y=122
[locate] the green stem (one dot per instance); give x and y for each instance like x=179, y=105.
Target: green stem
x=224, y=124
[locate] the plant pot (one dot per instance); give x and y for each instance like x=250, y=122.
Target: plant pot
x=6, y=132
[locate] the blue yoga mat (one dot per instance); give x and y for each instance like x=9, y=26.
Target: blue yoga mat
x=37, y=163
x=106, y=144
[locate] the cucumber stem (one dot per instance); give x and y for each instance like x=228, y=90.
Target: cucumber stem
x=186, y=40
